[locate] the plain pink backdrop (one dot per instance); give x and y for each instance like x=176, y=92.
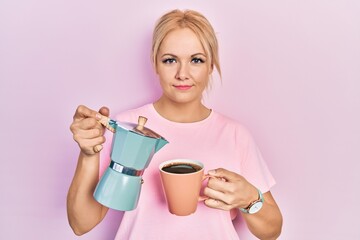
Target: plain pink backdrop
x=291, y=74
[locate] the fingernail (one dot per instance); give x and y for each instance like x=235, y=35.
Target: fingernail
x=211, y=201
x=98, y=116
x=97, y=148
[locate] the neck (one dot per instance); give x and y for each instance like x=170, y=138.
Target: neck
x=181, y=112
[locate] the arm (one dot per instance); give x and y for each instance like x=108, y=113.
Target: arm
x=83, y=211
x=228, y=190
x=267, y=223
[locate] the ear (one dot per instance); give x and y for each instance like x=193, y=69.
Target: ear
x=154, y=67
x=211, y=69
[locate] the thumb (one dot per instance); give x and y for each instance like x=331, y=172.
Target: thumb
x=223, y=174
x=104, y=111
x=104, y=118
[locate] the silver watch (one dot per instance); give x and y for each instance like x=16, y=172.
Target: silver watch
x=254, y=206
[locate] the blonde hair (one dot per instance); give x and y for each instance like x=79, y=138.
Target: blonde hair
x=196, y=22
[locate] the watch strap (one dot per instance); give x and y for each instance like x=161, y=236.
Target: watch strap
x=260, y=199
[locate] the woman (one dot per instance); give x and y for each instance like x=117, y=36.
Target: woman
x=184, y=53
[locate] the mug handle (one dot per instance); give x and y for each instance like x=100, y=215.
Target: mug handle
x=203, y=198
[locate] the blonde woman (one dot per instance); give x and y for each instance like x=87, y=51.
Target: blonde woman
x=184, y=54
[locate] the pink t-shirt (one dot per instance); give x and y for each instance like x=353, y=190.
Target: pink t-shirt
x=217, y=142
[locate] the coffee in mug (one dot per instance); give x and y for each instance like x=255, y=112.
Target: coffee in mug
x=182, y=180
x=181, y=168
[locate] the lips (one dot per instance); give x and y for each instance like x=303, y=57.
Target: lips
x=183, y=87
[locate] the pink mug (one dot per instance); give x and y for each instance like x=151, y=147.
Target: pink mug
x=182, y=180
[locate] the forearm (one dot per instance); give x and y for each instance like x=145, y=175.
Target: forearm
x=267, y=223
x=84, y=212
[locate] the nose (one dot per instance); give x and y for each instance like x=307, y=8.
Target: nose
x=182, y=72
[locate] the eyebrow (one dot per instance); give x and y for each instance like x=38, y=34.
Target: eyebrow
x=173, y=55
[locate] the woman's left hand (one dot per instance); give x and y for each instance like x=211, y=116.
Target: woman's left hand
x=227, y=190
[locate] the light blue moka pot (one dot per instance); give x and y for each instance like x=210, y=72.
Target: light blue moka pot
x=133, y=147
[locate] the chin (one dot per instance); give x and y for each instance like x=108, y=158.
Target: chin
x=186, y=101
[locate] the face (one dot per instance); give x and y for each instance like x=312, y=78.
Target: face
x=183, y=67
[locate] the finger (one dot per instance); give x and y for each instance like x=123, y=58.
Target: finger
x=87, y=128
x=218, y=184
x=89, y=123
x=97, y=148
x=104, y=111
x=214, y=203
x=88, y=145
x=85, y=112
x=223, y=173
x=224, y=196
x=211, y=193
x=88, y=134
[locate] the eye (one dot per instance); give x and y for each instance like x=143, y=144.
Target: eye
x=197, y=60
x=168, y=60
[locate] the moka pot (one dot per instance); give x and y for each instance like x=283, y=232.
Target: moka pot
x=133, y=147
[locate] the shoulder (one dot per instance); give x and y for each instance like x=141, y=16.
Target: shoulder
x=230, y=123
x=132, y=115
x=233, y=129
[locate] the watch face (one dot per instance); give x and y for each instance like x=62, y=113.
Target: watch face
x=256, y=207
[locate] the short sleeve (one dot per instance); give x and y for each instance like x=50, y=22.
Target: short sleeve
x=254, y=168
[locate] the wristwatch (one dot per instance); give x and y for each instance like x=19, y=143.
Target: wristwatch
x=254, y=206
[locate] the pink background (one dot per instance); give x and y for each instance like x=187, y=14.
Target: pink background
x=291, y=74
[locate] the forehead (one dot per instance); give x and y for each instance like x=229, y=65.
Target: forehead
x=181, y=42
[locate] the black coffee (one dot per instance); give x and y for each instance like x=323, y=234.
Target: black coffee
x=181, y=168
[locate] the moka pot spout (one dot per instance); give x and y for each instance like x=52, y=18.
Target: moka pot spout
x=161, y=142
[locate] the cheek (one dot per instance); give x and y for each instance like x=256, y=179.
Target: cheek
x=165, y=72
x=164, y=78
x=202, y=77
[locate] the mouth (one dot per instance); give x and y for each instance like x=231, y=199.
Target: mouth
x=183, y=87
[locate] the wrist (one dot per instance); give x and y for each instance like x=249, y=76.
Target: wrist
x=254, y=205
x=88, y=162
x=88, y=155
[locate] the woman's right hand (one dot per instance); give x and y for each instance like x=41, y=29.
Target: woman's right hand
x=86, y=129
x=84, y=212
